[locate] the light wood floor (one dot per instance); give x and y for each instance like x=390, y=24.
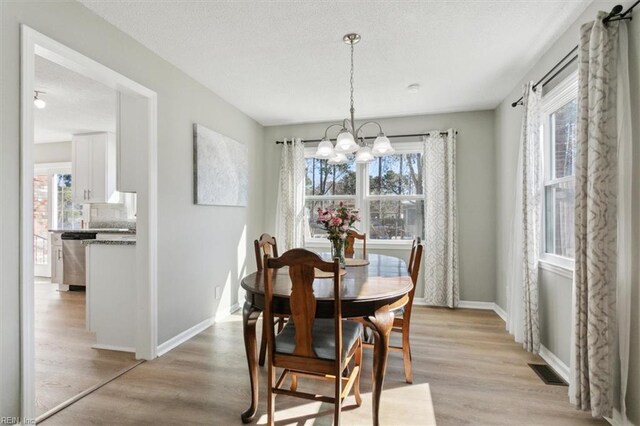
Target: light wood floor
x=467, y=370
x=65, y=362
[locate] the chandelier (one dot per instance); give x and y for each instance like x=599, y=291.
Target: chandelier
x=351, y=139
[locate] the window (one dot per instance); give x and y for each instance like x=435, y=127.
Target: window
x=388, y=192
x=559, y=132
x=67, y=213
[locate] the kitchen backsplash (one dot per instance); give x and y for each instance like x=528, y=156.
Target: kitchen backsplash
x=111, y=215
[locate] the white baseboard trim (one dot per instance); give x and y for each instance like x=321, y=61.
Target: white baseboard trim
x=617, y=419
x=184, y=336
x=501, y=313
x=470, y=304
x=554, y=362
x=193, y=331
x=113, y=348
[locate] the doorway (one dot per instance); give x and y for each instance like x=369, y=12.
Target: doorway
x=36, y=44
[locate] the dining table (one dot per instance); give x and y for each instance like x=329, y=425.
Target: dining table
x=370, y=290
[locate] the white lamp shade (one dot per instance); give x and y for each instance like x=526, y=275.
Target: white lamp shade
x=345, y=143
x=382, y=146
x=39, y=103
x=338, y=159
x=364, y=155
x=325, y=149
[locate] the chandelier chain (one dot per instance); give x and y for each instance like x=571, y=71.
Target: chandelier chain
x=351, y=80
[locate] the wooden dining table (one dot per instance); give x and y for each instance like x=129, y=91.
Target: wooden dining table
x=370, y=292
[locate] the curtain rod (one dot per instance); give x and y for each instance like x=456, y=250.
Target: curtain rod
x=373, y=137
x=616, y=14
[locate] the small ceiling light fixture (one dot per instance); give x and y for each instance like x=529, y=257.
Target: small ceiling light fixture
x=413, y=88
x=39, y=103
x=351, y=139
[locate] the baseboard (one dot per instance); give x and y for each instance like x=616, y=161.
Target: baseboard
x=184, y=336
x=470, y=304
x=501, y=313
x=113, y=348
x=554, y=362
x=193, y=331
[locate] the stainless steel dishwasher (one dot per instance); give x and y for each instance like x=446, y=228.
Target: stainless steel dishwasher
x=73, y=259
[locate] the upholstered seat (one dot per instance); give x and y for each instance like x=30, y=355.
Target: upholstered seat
x=323, y=338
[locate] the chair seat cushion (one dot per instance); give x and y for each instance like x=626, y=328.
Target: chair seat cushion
x=324, y=341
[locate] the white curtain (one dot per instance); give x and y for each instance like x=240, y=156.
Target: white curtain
x=600, y=352
x=290, y=218
x=440, y=220
x=530, y=210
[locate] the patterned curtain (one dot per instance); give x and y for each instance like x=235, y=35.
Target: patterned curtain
x=290, y=223
x=595, y=349
x=530, y=207
x=440, y=220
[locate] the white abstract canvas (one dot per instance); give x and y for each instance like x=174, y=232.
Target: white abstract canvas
x=221, y=169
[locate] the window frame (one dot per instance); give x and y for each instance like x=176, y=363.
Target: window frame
x=563, y=93
x=362, y=198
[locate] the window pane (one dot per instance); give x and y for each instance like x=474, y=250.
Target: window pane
x=563, y=139
x=398, y=174
x=559, y=203
x=396, y=219
x=311, y=212
x=327, y=179
x=41, y=219
x=69, y=213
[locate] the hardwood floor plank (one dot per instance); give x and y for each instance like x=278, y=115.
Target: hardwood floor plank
x=467, y=370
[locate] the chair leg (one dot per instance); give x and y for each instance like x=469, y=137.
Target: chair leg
x=356, y=385
x=280, y=324
x=294, y=383
x=338, y=401
x=406, y=355
x=271, y=397
x=263, y=344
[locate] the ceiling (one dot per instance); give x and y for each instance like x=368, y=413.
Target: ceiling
x=284, y=62
x=75, y=104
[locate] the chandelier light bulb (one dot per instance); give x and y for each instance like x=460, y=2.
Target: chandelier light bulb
x=345, y=142
x=382, y=145
x=325, y=150
x=338, y=159
x=364, y=155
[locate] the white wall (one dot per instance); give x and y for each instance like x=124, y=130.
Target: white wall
x=198, y=247
x=475, y=179
x=54, y=152
x=556, y=290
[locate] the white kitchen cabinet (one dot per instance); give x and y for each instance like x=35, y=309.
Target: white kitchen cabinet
x=94, y=168
x=56, y=258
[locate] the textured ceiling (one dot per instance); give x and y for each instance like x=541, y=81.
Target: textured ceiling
x=284, y=61
x=75, y=104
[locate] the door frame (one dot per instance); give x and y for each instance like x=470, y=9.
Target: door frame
x=35, y=43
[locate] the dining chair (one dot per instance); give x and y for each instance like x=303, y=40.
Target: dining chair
x=402, y=315
x=309, y=346
x=266, y=244
x=349, y=244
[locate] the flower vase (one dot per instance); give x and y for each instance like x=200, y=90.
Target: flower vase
x=337, y=250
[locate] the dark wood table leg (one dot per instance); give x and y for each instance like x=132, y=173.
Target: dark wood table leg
x=381, y=324
x=249, y=318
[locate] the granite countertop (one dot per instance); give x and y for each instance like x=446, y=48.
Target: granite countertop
x=115, y=242
x=97, y=230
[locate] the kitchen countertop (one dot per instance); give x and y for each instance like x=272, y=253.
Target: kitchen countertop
x=115, y=242
x=100, y=230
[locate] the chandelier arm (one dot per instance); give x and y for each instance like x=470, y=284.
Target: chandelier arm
x=333, y=125
x=370, y=122
x=348, y=125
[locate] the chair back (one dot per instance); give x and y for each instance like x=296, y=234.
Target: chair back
x=416, y=241
x=301, y=264
x=266, y=244
x=349, y=244
x=416, y=254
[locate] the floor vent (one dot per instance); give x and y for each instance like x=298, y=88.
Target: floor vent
x=547, y=375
